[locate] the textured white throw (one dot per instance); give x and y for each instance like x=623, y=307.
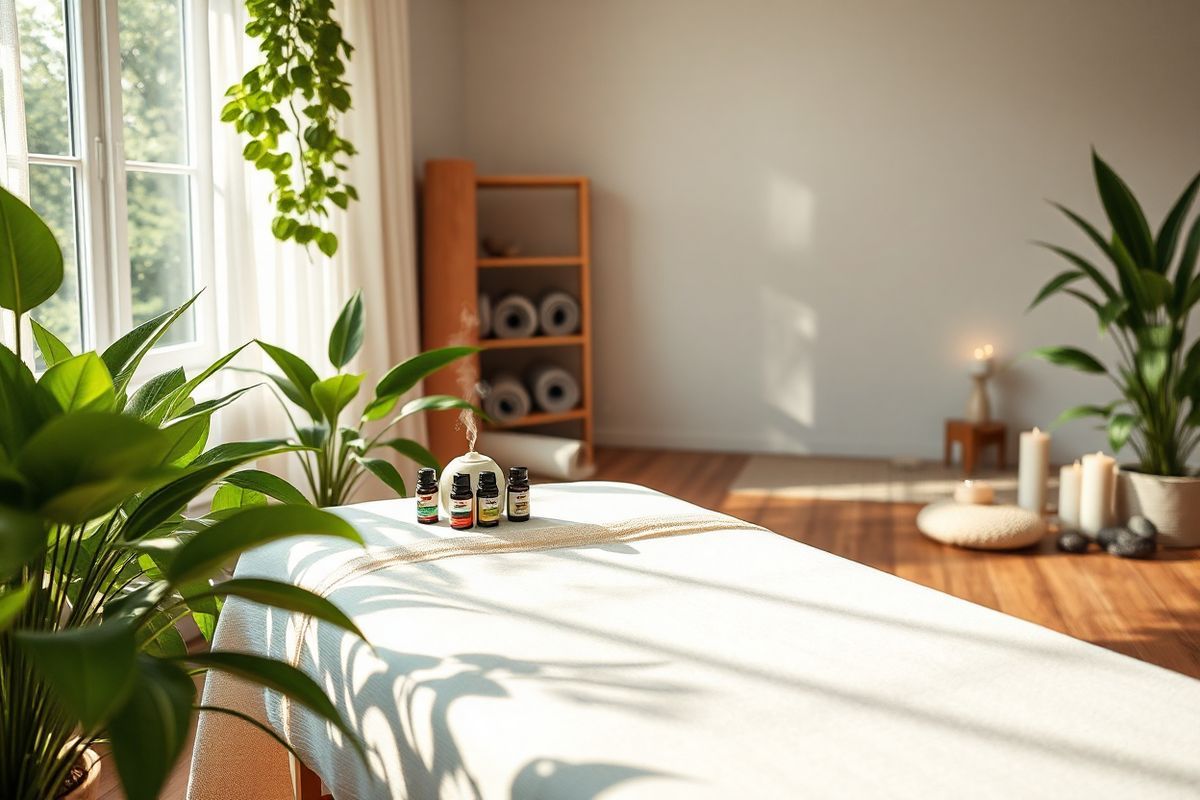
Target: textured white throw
x=627, y=661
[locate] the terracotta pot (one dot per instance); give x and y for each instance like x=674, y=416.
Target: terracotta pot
x=1172, y=504
x=89, y=789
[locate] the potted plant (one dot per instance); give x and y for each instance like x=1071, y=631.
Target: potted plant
x=338, y=456
x=1143, y=299
x=98, y=558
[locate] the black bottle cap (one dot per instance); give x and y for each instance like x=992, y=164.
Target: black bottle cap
x=426, y=475
x=518, y=474
x=487, y=479
x=462, y=483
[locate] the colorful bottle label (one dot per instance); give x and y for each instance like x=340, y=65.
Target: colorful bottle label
x=518, y=503
x=427, y=507
x=489, y=510
x=462, y=512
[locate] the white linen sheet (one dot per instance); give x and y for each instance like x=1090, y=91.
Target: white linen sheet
x=732, y=663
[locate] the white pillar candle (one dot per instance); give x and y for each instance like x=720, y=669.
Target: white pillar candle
x=1032, y=470
x=1096, y=493
x=974, y=493
x=1069, y=478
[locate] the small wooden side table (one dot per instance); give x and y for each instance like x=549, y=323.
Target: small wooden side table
x=973, y=437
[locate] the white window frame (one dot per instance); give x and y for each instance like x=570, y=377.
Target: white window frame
x=102, y=228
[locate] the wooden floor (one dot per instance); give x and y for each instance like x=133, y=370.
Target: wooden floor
x=1146, y=609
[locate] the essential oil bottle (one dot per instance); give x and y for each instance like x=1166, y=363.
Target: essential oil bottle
x=427, y=496
x=518, y=494
x=462, y=502
x=487, y=500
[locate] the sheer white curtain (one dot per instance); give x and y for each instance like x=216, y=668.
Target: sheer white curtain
x=14, y=153
x=274, y=291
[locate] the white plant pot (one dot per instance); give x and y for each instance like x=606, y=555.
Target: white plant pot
x=1172, y=504
x=87, y=790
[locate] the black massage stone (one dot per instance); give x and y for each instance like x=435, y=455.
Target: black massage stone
x=1142, y=527
x=1107, y=536
x=1130, y=545
x=1072, y=541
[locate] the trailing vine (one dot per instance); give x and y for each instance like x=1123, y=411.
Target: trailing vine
x=290, y=106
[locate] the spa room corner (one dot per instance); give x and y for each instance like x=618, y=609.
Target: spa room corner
x=599, y=399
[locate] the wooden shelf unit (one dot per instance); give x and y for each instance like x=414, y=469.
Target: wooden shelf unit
x=450, y=267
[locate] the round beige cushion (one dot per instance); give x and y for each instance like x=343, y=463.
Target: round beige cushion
x=981, y=527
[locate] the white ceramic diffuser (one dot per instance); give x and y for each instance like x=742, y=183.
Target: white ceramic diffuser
x=469, y=463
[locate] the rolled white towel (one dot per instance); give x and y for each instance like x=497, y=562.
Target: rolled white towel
x=506, y=400
x=546, y=456
x=558, y=313
x=485, y=316
x=554, y=389
x=514, y=317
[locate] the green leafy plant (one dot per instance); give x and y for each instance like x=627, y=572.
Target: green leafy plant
x=293, y=102
x=98, y=558
x=1143, y=299
x=339, y=456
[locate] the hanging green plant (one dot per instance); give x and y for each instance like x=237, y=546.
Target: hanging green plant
x=290, y=106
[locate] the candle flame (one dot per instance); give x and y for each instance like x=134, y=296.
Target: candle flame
x=988, y=350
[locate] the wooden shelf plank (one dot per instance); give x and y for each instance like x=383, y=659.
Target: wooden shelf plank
x=539, y=418
x=530, y=261
x=525, y=181
x=533, y=341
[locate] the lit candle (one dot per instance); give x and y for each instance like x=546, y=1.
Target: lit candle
x=1069, y=478
x=982, y=365
x=1096, y=493
x=978, y=493
x=1033, y=470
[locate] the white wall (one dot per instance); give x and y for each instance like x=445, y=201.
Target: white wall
x=436, y=30
x=808, y=213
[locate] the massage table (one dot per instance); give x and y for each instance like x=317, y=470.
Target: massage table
x=626, y=644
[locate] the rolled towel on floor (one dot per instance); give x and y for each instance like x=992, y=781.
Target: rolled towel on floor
x=485, y=316
x=558, y=313
x=546, y=456
x=554, y=389
x=514, y=317
x=506, y=400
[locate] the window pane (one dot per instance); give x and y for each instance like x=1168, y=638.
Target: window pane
x=160, y=249
x=52, y=195
x=42, y=24
x=153, y=87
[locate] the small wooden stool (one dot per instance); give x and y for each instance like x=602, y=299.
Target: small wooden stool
x=973, y=437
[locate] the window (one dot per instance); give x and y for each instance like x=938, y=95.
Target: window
x=118, y=165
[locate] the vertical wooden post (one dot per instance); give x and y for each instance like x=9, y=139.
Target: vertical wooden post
x=585, y=303
x=450, y=286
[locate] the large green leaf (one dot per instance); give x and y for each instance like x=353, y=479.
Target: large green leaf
x=171, y=405
x=1168, y=234
x=1125, y=214
x=1055, y=285
x=24, y=405
x=80, y=383
x=298, y=372
x=79, y=464
x=347, y=335
x=1152, y=363
x=1084, y=265
x=49, y=345
x=12, y=601
x=22, y=538
x=1080, y=412
x=334, y=394
x=31, y=262
x=280, y=677
x=206, y=552
x=1156, y=289
x=267, y=484
x=143, y=401
x=1126, y=269
x=90, y=670
x=287, y=597
x=384, y=471
x=404, y=376
x=1184, y=282
x=413, y=451
x=1111, y=312
x=1070, y=357
x=124, y=355
x=149, y=731
x=228, y=496
x=1120, y=427
x=188, y=437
